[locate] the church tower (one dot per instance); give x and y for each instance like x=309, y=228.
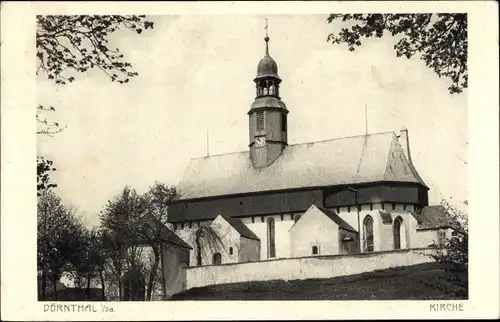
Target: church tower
x=267, y=115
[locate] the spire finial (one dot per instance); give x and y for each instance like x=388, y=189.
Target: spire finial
x=267, y=40
x=266, y=30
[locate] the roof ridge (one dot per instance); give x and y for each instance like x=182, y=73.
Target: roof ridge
x=297, y=144
x=343, y=137
x=216, y=155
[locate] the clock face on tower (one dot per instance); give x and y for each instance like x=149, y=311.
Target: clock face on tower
x=260, y=141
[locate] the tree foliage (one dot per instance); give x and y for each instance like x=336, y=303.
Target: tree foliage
x=59, y=239
x=115, y=261
x=43, y=125
x=77, y=43
x=440, y=40
x=453, y=253
x=121, y=214
x=154, y=231
x=137, y=220
x=68, y=45
x=43, y=169
x=89, y=260
x=71, y=44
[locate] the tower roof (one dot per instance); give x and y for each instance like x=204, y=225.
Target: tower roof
x=267, y=65
x=268, y=102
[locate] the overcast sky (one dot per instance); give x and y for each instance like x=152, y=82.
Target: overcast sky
x=196, y=72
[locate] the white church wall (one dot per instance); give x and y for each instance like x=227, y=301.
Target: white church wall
x=386, y=230
x=424, y=238
x=383, y=238
x=383, y=232
x=229, y=238
x=304, y=268
x=432, y=236
x=188, y=234
x=404, y=234
x=282, y=240
x=249, y=250
x=349, y=217
x=411, y=232
x=386, y=236
x=314, y=229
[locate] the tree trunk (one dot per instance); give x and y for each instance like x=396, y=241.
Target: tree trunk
x=120, y=295
x=163, y=281
x=44, y=284
x=103, y=293
x=152, y=275
x=88, y=286
x=54, y=286
x=198, y=250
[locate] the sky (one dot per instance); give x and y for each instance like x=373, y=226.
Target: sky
x=196, y=75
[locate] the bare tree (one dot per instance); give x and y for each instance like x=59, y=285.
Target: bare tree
x=153, y=229
x=114, y=266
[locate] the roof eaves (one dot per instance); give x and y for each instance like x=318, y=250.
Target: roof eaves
x=337, y=219
x=241, y=228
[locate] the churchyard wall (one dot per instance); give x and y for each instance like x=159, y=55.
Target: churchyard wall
x=304, y=267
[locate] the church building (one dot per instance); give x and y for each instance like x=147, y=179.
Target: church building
x=275, y=200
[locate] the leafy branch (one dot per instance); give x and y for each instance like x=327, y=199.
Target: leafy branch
x=44, y=126
x=439, y=39
x=77, y=43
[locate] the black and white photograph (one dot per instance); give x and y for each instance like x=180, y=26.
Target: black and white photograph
x=253, y=156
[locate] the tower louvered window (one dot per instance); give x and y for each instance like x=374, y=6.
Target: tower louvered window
x=260, y=121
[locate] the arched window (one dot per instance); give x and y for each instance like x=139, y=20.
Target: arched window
x=271, y=247
x=230, y=250
x=296, y=218
x=315, y=250
x=217, y=259
x=368, y=234
x=397, y=232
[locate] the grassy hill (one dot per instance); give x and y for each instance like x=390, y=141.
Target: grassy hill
x=419, y=282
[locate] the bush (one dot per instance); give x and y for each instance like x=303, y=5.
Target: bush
x=453, y=253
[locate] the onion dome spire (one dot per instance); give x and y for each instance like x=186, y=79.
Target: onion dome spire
x=267, y=66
